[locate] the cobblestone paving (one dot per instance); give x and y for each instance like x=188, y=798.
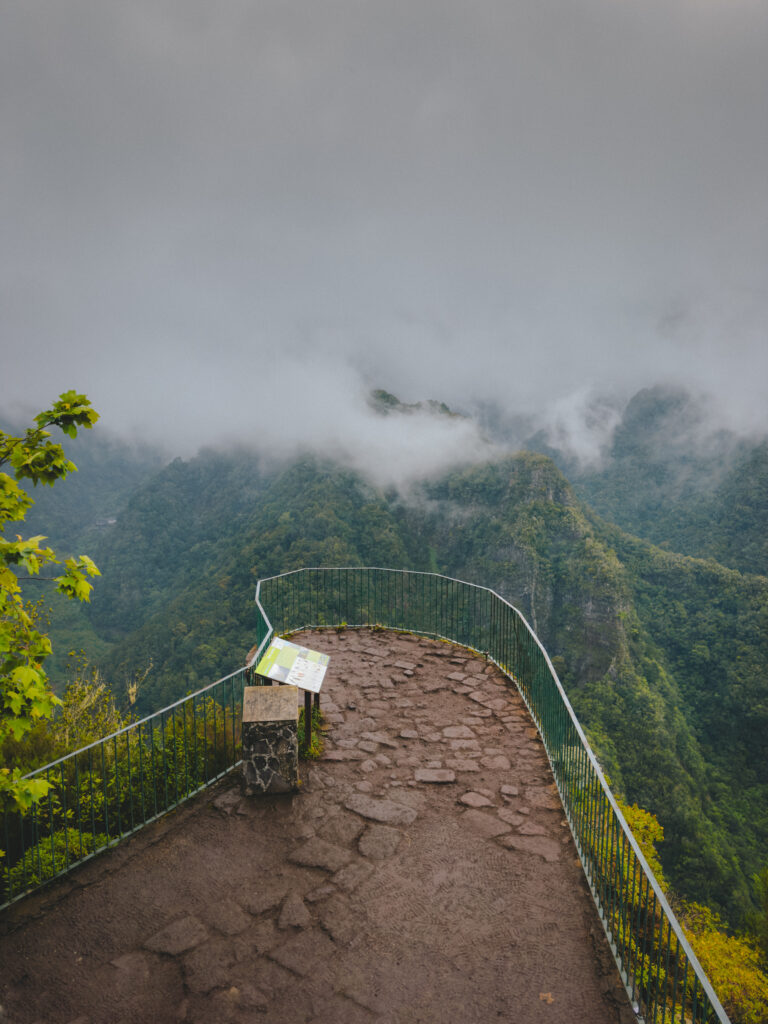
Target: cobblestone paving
x=424, y=873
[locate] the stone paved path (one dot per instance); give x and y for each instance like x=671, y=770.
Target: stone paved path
x=424, y=873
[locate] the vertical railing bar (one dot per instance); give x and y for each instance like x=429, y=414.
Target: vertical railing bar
x=7, y=891
x=205, y=737
x=64, y=818
x=50, y=820
x=163, y=726
x=685, y=992
x=153, y=758
x=677, y=976
x=37, y=843
x=657, y=968
x=130, y=777
x=695, y=998
x=648, y=945
x=636, y=930
x=189, y=782
x=215, y=738
x=141, y=774
x=79, y=808
x=666, y=971
x=195, y=756
x=117, y=788
x=175, y=756
x=104, y=793
x=232, y=707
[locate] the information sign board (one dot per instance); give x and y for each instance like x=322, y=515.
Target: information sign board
x=288, y=663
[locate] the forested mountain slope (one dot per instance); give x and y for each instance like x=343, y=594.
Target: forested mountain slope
x=663, y=656
x=86, y=503
x=668, y=476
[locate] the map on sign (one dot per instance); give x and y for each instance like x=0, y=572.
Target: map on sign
x=297, y=666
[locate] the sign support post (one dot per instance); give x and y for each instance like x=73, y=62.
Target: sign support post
x=288, y=663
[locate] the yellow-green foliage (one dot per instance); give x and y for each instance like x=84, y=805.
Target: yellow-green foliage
x=648, y=832
x=732, y=964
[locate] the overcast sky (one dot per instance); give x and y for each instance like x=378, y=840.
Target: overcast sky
x=232, y=218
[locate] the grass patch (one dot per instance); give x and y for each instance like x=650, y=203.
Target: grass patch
x=318, y=740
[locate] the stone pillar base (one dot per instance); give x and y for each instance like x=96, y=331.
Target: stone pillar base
x=270, y=740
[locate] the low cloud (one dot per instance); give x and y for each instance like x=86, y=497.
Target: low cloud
x=232, y=224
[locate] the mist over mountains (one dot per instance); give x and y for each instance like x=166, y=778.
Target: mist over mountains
x=644, y=570
x=236, y=223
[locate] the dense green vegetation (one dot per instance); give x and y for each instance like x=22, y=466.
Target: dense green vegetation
x=663, y=655
x=668, y=477
x=25, y=693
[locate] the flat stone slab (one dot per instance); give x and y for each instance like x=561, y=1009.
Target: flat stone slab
x=539, y=796
x=322, y=892
x=498, y=762
x=227, y=917
x=406, y=666
x=382, y=738
x=341, y=829
x=461, y=764
x=339, y=920
x=184, y=934
x=135, y=966
x=344, y=755
x=498, y=704
x=458, y=732
x=352, y=875
x=408, y=734
x=475, y=800
x=294, y=913
x=385, y=811
x=228, y=801
x=260, y=902
x=209, y=967
x=486, y=825
x=270, y=704
x=511, y=817
x=437, y=775
x=305, y=954
x=464, y=745
x=538, y=846
x=317, y=853
x=530, y=828
x=379, y=842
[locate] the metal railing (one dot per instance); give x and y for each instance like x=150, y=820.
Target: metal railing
x=104, y=792
x=108, y=790
x=663, y=978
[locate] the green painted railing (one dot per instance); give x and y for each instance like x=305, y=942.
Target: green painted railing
x=108, y=790
x=104, y=792
x=663, y=978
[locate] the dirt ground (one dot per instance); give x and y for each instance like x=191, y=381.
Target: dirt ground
x=423, y=874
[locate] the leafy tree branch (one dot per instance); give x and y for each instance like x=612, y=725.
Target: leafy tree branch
x=25, y=694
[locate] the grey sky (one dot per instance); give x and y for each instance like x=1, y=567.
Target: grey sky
x=208, y=210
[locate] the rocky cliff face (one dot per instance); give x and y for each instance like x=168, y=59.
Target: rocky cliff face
x=517, y=527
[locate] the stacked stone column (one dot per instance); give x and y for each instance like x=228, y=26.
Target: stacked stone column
x=270, y=740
